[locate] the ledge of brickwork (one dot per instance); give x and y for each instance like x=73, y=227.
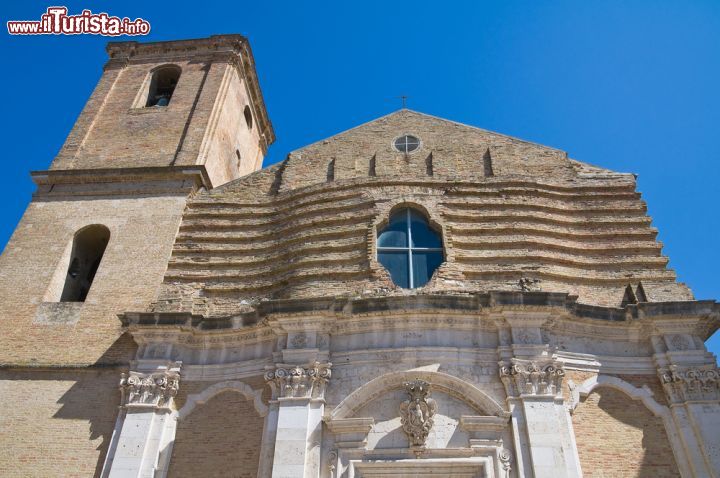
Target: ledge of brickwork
x=58, y=313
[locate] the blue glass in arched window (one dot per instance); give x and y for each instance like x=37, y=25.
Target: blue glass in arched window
x=409, y=249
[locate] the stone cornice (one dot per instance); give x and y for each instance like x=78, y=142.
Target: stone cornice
x=120, y=181
x=188, y=47
x=192, y=338
x=473, y=423
x=350, y=425
x=575, y=318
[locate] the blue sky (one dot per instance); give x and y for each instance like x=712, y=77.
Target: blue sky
x=630, y=86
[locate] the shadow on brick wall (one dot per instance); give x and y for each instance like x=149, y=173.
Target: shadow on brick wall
x=617, y=436
x=68, y=415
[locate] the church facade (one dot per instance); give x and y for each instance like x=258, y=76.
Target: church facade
x=411, y=297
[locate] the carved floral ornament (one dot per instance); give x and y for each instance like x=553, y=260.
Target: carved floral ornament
x=416, y=413
x=299, y=382
x=529, y=377
x=691, y=383
x=149, y=389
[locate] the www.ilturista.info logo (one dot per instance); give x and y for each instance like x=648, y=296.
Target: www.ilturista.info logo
x=56, y=21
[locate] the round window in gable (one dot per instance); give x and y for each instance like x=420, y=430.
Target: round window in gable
x=406, y=143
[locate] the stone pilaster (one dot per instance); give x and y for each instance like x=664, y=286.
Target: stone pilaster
x=299, y=393
x=542, y=427
x=691, y=381
x=145, y=430
x=693, y=393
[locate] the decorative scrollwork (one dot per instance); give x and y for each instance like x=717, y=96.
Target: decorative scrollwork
x=505, y=458
x=149, y=389
x=416, y=413
x=691, y=383
x=332, y=462
x=300, y=382
x=526, y=377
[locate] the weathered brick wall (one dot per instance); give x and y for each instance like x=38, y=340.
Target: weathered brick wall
x=123, y=136
x=457, y=152
x=56, y=423
x=618, y=437
x=142, y=231
x=220, y=438
x=287, y=232
x=203, y=123
x=231, y=134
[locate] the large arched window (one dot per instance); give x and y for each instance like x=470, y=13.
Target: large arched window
x=409, y=249
x=87, y=252
x=162, y=85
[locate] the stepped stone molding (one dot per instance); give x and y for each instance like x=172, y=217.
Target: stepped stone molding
x=532, y=377
x=153, y=390
x=691, y=384
x=529, y=228
x=416, y=413
x=299, y=382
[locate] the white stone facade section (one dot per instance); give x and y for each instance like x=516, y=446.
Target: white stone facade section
x=141, y=444
x=339, y=399
x=298, y=394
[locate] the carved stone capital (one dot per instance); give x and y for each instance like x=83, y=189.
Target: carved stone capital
x=299, y=382
x=416, y=413
x=532, y=377
x=155, y=389
x=686, y=384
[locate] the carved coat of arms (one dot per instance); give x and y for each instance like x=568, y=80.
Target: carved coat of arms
x=416, y=413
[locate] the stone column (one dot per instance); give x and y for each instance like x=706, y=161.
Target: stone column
x=694, y=396
x=691, y=381
x=542, y=427
x=267, y=446
x=299, y=393
x=145, y=430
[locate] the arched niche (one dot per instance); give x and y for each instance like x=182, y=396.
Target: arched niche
x=219, y=433
x=440, y=382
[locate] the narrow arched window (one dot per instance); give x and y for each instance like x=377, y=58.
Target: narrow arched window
x=330, y=175
x=162, y=85
x=409, y=249
x=87, y=251
x=248, y=117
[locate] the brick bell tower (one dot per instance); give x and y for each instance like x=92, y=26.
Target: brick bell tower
x=166, y=119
